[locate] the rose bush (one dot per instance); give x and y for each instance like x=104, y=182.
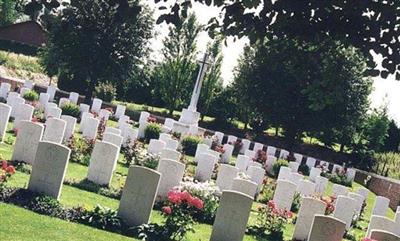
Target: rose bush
x=6, y=172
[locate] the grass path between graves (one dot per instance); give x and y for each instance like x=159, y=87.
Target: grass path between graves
x=19, y=224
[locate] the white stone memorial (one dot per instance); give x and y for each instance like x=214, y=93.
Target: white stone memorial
x=308, y=209
x=24, y=113
x=26, y=144
x=167, y=153
x=381, y=206
x=54, y=130
x=345, y=208
x=96, y=105
x=284, y=194
x=306, y=188
x=226, y=156
x=155, y=146
x=247, y=187
x=73, y=97
x=242, y=162
x=90, y=128
x=327, y=228
x=171, y=175
x=70, y=127
x=225, y=177
x=102, y=163
x=5, y=111
x=48, y=169
x=205, y=167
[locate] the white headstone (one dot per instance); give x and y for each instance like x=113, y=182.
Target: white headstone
x=296, y=178
x=359, y=201
x=284, y=154
x=169, y=123
x=102, y=162
x=314, y=173
x=172, y=144
x=205, y=167
x=27, y=141
x=327, y=228
x=226, y=156
x=120, y=111
x=90, y=128
x=384, y=235
x=96, y=105
x=271, y=151
x=62, y=102
x=337, y=168
x=24, y=113
x=29, y=84
x=54, y=130
x=284, y=194
x=232, y=140
x=350, y=174
x=112, y=130
x=225, y=176
x=5, y=111
x=270, y=163
x=308, y=209
x=51, y=90
x=49, y=168
x=382, y=223
x=85, y=117
x=53, y=112
x=155, y=146
x=44, y=99
x=142, y=128
x=321, y=184
x=74, y=97
x=306, y=188
x=4, y=89
x=245, y=146
x=144, y=116
x=257, y=175
x=311, y=162
x=104, y=114
x=171, y=175
x=14, y=102
x=219, y=137
x=124, y=119
x=339, y=190
x=251, y=154
x=294, y=166
x=345, y=208
x=84, y=108
x=70, y=127
x=137, y=202
x=242, y=162
x=363, y=192
x=171, y=154
x=258, y=147
x=298, y=157
x=113, y=138
x=381, y=206
x=232, y=217
x=247, y=187
x=284, y=173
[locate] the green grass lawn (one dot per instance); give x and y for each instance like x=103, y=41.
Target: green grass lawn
x=21, y=224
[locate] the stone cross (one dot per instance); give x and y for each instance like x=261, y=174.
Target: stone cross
x=197, y=88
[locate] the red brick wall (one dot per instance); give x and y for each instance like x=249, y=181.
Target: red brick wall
x=381, y=186
x=30, y=33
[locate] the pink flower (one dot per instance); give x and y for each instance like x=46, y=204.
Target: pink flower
x=197, y=203
x=185, y=196
x=10, y=169
x=174, y=197
x=4, y=164
x=167, y=210
x=271, y=204
x=368, y=239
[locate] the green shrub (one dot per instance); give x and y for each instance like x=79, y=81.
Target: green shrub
x=304, y=169
x=277, y=166
x=189, y=144
x=103, y=218
x=152, y=131
x=71, y=109
x=9, y=45
x=340, y=178
x=31, y=96
x=105, y=91
x=46, y=205
x=296, y=203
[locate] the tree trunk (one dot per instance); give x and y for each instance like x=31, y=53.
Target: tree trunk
x=276, y=131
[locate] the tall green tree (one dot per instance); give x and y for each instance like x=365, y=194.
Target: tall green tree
x=306, y=87
x=94, y=41
x=354, y=23
x=8, y=12
x=392, y=142
x=212, y=82
x=177, y=72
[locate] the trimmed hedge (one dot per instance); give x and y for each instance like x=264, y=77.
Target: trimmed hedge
x=19, y=48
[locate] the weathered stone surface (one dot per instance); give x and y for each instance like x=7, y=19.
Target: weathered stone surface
x=5, y=111
x=171, y=175
x=102, y=163
x=54, y=130
x=27, y=141
x=138, y=195
x=327, y=228
x=49, y=168
x=232, y=217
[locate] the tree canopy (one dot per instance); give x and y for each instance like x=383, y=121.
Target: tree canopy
x=366, y=25
x=95, y=41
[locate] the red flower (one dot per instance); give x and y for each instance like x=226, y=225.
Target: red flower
x=4, y=164
x=10, y=169
x=174, y=197
x=197, y=203
x=271, y=204
x=185, y=196
x=167, y=210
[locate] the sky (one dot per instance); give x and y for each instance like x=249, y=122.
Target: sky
x=385, y=91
